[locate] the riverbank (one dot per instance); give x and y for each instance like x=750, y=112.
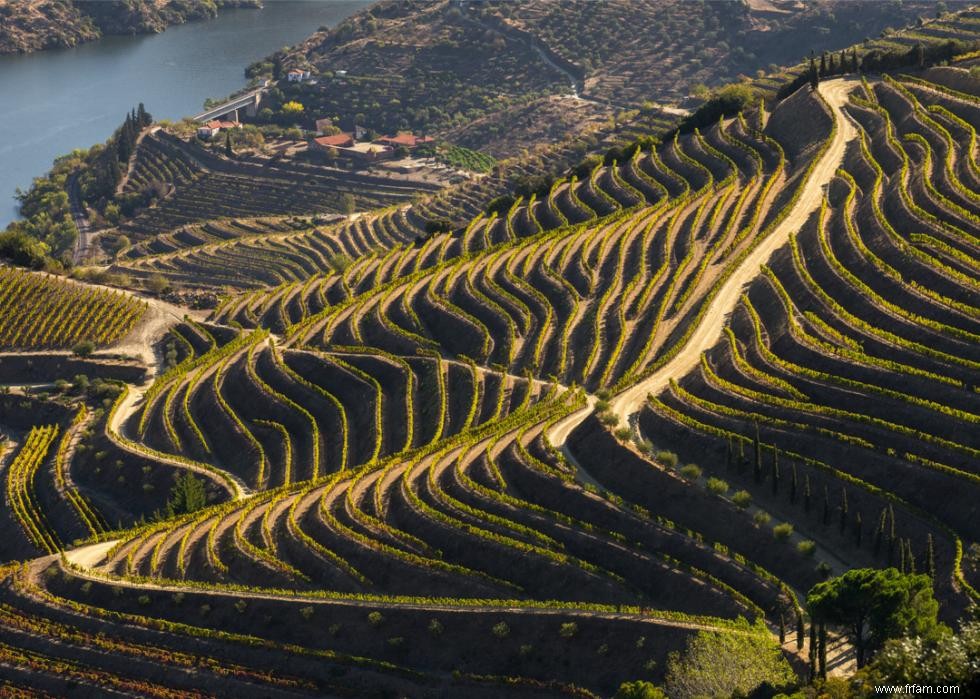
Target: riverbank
x=36, y=25
x=72, y=98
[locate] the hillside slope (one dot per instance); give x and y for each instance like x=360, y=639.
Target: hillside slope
x=33, y=25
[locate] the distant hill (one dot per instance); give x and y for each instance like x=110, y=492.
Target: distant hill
x=34, y=25
x=486, y=74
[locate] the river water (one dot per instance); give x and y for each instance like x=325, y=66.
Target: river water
x=52, y=102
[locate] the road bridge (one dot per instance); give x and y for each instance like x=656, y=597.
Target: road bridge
x=249, y=102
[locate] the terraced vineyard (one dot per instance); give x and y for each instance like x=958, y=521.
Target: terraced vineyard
x=200, y=186
x=533, y=455
x=42, y=312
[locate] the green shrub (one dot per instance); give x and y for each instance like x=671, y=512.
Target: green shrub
x=376, y=619
x=84, y=348
x=622, y=433
x=501, y=630
x=306, y=612
x=761, y=518
x=782, y=531
x=742, y=499
x=691, y=472
x=807, y=548
x=568, y=629
x=716, y=486
x=608, y=419
x=667, y=458
x=435, y=627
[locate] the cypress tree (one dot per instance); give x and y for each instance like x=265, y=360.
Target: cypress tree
x=742, y=461
x=880, y=531
x=800, y=631
x=814, y=78
x=757, y=469
x=228, y=151
x=858, y=525
x=775, y=471
x=823, y=651
x=930, y=556
x=855, y=66
x=890, y=540
x=910, y=556
x=901, y=556
x=826, y=506
x=843, y=62
x=782, y=628
x=813, y=649
x=843, y=510
x=823, y=64
x=729, y=453
x=806, y=493
x=793, y=486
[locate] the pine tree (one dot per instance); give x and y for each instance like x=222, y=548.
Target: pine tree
x=858, y=525
x=793, y=486
x=843, y=510
x=930, y=557
x=806, y=493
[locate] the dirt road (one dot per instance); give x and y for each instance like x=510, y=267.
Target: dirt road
x=712, y=324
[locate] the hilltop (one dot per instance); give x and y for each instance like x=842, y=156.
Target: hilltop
x=482, y=61
x=34, y=25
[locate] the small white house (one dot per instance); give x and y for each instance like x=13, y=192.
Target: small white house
x=297, y=75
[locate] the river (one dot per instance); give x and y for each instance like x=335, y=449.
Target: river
x=52, y=102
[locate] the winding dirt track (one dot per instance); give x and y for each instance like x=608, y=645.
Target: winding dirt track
x=712, y=324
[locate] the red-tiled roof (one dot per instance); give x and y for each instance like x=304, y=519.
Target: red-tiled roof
x=337, y=140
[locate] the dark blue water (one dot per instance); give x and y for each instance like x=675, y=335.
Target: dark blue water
x=52, y=102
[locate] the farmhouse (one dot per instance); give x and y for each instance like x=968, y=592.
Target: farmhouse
x=406, y=140
x=297, y=75
x=213, y=128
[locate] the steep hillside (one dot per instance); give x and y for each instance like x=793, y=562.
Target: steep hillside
x=33, y=25
x=536, y=451
x=476, y=62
